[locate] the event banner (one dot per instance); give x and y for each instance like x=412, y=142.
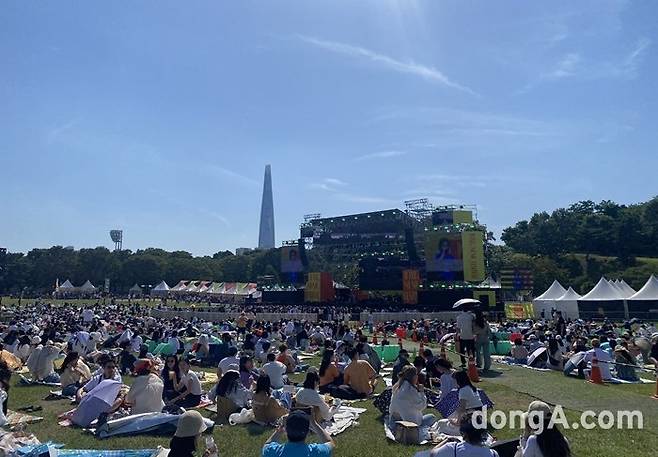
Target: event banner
x=319, y=287
x=450, y=217
x=473, y=252
x=443, y=255
x=519, y=310
x=291, y=260
x=410, y=283
x=517, y=279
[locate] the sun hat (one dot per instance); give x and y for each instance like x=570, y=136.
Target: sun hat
x=190, y=423
x=35, y=340
x=539, y=409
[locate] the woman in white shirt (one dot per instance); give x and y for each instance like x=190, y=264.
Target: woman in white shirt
x=539, y=438
x=469, y=399
x=230, y=386
x=189, y=387
x=443, y=368
x=472, y=446
x=308, y=395
x=408, y=399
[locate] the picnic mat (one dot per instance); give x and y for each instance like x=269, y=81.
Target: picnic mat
x=504, y=360
x=432, y=434
x=16, y=418
x=344, y=417
x=57, y=395
x=617, y=380
x=450, y=402
x=24, y=381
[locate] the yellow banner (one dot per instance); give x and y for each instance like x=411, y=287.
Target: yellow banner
x=473, y=252
x=313, y=290
x=519, y=311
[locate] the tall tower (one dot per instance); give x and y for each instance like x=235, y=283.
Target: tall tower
x=266, y=233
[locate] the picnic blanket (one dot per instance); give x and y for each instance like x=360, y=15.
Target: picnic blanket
x=57, y=395
x=344, y=417
x=430, y=434
x=25, y=381
x=15, y=418
x=510, y=362
x=450, y=402
x=139, y=424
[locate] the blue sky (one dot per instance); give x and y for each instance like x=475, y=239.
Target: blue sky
x=159, y=117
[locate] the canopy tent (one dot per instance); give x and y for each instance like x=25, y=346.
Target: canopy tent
x=66, y=287
x=624, y=286
x=546, y=301
x=161, y=289
x=87, y=287
x=193, y=286
x=135, y=290
x=567, y=304
x=604, y=300
x=203, y=287
x=490, y=283
x=181, y=286
x=644, y=303
x=648, y=292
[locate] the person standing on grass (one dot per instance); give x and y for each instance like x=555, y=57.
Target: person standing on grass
x=482, y=332
x=296, y=427
x=465, y=320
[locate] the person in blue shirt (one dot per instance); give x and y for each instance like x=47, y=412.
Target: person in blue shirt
x=296, y=426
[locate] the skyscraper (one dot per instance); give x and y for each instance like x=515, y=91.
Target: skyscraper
x=266, y=233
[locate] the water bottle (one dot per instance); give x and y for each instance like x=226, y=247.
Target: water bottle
x=211, y=446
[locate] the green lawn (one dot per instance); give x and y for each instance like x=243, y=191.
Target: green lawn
x=513, y=388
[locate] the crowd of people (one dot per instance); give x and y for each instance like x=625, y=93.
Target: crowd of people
x=100, y=345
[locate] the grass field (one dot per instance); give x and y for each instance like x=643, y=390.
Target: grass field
x=510, y=388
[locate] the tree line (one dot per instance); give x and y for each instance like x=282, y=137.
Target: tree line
x=575, y=245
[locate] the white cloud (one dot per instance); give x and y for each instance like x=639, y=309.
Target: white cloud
x=635, y=57
x=422, y=71
x=566, y=67
x=380, y=155
x=328, y=184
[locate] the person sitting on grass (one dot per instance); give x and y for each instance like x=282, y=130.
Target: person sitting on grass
x=228, y=362
x=472, y=446
x=248, y=375
x=73, y=374
x=447, y=382
x=624, y=358
x=330, y=376
x=229, y=386
x=408, y=399
x=541, y=438
x=145, y=394
x=285, y=358
x=276, y=371
x=107, y=371
x=296, y=427
x=5, y=383
x=170, y=375
x=41, y=362
x=267, y=409
x=602, y=357
x=189, y=387
x=308, y=395
x=519, y=352
x=359, y=376
x=402, y=361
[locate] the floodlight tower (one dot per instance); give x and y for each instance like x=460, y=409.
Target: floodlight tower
x=117, y=238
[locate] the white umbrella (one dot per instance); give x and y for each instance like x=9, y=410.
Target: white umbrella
x=466, y=301
x=446, y=337
x=537, y=353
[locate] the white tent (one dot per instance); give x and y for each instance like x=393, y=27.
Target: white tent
x=604, y=300
x=161, y=289
x=66, y=287
x=546, y=301
x=648, y=292
x=623, y=293
x=87, y=287
x=602, y=291
x=623, y=285
x=568, y=304
x=135, y=290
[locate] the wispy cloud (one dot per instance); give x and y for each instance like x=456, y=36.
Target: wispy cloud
x=565, y=68
x=58, y=130
x=222, y=172
x=380, y=155
x=339, y=190
x=574, y=65
x=422, y=71
x=634, y=58
x=328, y=184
